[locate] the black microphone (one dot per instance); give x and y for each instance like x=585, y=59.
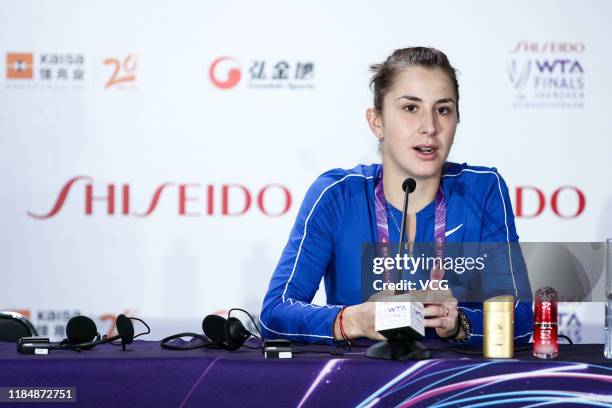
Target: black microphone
x=409, y=185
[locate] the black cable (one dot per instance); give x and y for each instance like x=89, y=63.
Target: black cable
x=343, y=344
x=206, y=343
x=143, y=322
x=138, y=335
x=165, y=343
x=457, y=349
x=261, y=338
x=253, y=348
x=346, y=346
x=250, y=317
x=336, y=352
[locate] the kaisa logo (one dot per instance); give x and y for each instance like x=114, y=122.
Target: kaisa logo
x=19, y=66
x=123, y=72
x=225, y=73
x=549, y=74
x=53, y=70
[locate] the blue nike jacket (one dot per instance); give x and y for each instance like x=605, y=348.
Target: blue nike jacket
x=337, y=216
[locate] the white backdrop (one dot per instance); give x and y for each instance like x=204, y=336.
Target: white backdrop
x=121, y=93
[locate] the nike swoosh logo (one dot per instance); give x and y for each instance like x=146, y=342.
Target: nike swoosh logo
x=453, y=230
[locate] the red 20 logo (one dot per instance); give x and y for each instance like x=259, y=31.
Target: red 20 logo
x=123, y=71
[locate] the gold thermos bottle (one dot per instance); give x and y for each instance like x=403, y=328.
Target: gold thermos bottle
x=498, y=341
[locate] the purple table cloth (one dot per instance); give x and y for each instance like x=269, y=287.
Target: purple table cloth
x=147, y=376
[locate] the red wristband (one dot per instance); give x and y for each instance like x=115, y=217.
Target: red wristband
x=342, y=332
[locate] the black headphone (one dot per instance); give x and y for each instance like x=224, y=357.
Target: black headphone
x=82, y=333
x=80, y=330
x=230, y=333
x=219, y=333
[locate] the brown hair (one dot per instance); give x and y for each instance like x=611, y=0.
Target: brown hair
x=385, y=73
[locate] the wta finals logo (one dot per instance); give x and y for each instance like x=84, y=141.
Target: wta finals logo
x=548, y=74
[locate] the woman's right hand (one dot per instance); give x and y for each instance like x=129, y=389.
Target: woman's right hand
x=358, y=321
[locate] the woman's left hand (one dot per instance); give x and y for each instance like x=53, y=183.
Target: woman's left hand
x=443, y=316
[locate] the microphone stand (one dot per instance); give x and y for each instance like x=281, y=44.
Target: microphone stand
x=401, y=343
x=408, y=188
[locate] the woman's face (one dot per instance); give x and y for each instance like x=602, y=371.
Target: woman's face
x=418, y=121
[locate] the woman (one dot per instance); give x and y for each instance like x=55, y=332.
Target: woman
x=414, y=117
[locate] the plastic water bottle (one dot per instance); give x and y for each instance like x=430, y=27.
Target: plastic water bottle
x=608, y=324
x=608, y=328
